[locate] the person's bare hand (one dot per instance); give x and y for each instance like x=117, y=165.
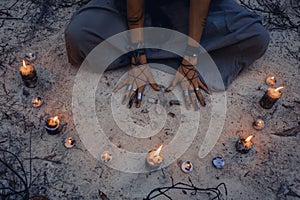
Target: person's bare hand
x=136, y=80
x=188, y=77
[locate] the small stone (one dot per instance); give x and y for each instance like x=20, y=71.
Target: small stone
x=175, y=102
x=153, y=100
x=171, y=114
x=218, y=162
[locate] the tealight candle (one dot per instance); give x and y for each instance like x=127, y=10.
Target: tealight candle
x=154, y=158
x=37, y=102
x=52, y=125
x=187, y=167
x=30, y=56
x=69, y=142
x=28, y=75
x=270, y=97
x=106, y=156
x=244, y=145
x=258, y=124
x=271, y=80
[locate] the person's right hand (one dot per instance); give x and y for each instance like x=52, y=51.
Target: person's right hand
x=136, y=80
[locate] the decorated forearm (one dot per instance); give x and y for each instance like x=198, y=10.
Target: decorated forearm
x=197, y=18
x=135, y=18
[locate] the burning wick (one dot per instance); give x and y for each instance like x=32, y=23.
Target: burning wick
x=28, y=75
x=279, y=88
x=187, y=167
x=271, y=81
x=270, y=97
x=258, y=124
x=37, y=102
x=154, y=158
x=24, y=64
x=106, y=156
x=52, y=125
x=69, y=142
x=244, y=145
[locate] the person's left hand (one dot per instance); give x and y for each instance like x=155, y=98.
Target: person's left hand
x=138, y=76
x=188, y=76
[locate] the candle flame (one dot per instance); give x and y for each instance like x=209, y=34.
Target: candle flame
x=279, y=88
x=188, y=165
x=157, y=152
x=249, y=138
x=55, y=118
x=70, y=141
x=24, y=64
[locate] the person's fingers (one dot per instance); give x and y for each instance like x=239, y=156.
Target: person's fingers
x=121, y=84
x=203, y=86
x=155, y=86
x=176, y=79
x=186, y=95
x=139, y=96
x=200, y=96
x=193, y=96
x=194, y=100
x=126, y=95
x=132, y=99
x=187, y=100
x=151, y=80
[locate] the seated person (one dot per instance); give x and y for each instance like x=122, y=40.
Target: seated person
x=232, y=35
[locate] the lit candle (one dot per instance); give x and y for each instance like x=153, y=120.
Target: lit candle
x=244, y=145
x=28, y=75
x=187, y=166
x=271, y=80
x=37, y=102
x=270, y=97
x=106, y=156
x=69, y=142
x=154, y=158
x=52, y=125
x=258, y=124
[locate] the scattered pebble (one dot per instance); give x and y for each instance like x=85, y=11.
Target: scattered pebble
x=175, y=102
x=218, y=162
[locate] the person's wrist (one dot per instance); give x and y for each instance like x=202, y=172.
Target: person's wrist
x=192, y=51
x=139, y=57
x=189, y=60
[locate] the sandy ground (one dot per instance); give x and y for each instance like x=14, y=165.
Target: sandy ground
x=269, y=171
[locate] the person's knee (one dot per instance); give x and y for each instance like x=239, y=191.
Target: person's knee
x=261, y=40
x=75, y=41
x=72, y=34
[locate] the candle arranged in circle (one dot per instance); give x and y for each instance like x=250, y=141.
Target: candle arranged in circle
x=154, y=158
x=270, y=97
x=244, y=145
x=53, y=125
x=271, y=80
x=106, y=156
x=37, y=102
x=187, y=167
x=258, y=124
x=69, y=142
x=28, y=75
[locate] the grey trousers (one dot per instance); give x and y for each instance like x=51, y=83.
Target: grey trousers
x=233, y=36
